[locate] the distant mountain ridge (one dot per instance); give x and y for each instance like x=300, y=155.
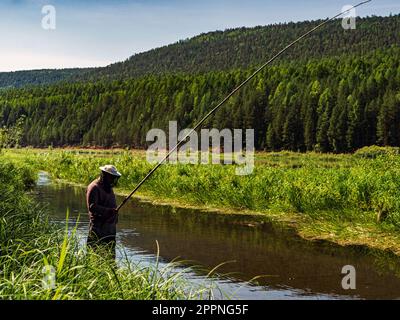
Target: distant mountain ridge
x=17, y=79
x=246, y=47
x=238, y=48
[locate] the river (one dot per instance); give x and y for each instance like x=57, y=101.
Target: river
x=293, y=268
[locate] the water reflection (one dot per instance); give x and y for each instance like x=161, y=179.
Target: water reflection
x=293, y=268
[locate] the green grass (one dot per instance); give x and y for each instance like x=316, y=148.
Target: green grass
x=29, y=244
x=330, y=197
x=327, y=196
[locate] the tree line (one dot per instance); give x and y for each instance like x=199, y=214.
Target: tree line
x=239, y=48
x=335, y=104
x=242, y=48
x=19, y=79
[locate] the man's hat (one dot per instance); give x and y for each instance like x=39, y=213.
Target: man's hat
x=110, y=169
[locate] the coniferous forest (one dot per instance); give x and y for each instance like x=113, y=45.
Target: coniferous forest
x=337, y=92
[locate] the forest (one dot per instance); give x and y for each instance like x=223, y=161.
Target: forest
x=248, y=47
x=19, y=79
x=336, y=103
x=238, y=48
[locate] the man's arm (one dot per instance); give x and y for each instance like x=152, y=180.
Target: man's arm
x=95, y=208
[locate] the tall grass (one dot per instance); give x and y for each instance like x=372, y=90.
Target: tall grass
x=343, y=188
x=30, y=246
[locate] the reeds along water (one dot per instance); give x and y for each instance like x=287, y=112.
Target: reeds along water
x=40, y=261
x=356, y=187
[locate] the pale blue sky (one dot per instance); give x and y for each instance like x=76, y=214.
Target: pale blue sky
x=97, y=33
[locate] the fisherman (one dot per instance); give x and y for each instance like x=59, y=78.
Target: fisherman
x=102, y=207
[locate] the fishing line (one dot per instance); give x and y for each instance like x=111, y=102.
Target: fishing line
x=230, y=95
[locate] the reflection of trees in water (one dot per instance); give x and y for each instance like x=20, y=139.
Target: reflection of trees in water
x=258, y=249
x=385, y=262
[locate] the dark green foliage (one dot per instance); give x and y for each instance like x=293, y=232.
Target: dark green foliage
x=19, y=79
x=355, y=102
x=11, y=136
x=246, y=47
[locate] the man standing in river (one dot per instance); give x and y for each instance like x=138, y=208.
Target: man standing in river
x=103, y=215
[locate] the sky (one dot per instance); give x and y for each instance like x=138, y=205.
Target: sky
x=99, y=32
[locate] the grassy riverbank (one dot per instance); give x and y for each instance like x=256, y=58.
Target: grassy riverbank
x=32, y=249
x=339, y=198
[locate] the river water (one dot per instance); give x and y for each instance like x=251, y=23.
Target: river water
x=292, y=268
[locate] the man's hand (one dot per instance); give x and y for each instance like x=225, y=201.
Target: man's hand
x=112, y=214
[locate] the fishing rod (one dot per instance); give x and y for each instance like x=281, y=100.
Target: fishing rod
x=230, y=95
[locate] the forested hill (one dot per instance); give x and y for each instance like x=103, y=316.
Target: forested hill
x=19, y=79
x=245, y=47
x=330, y=104
x=231, y=49
x=336, y=92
